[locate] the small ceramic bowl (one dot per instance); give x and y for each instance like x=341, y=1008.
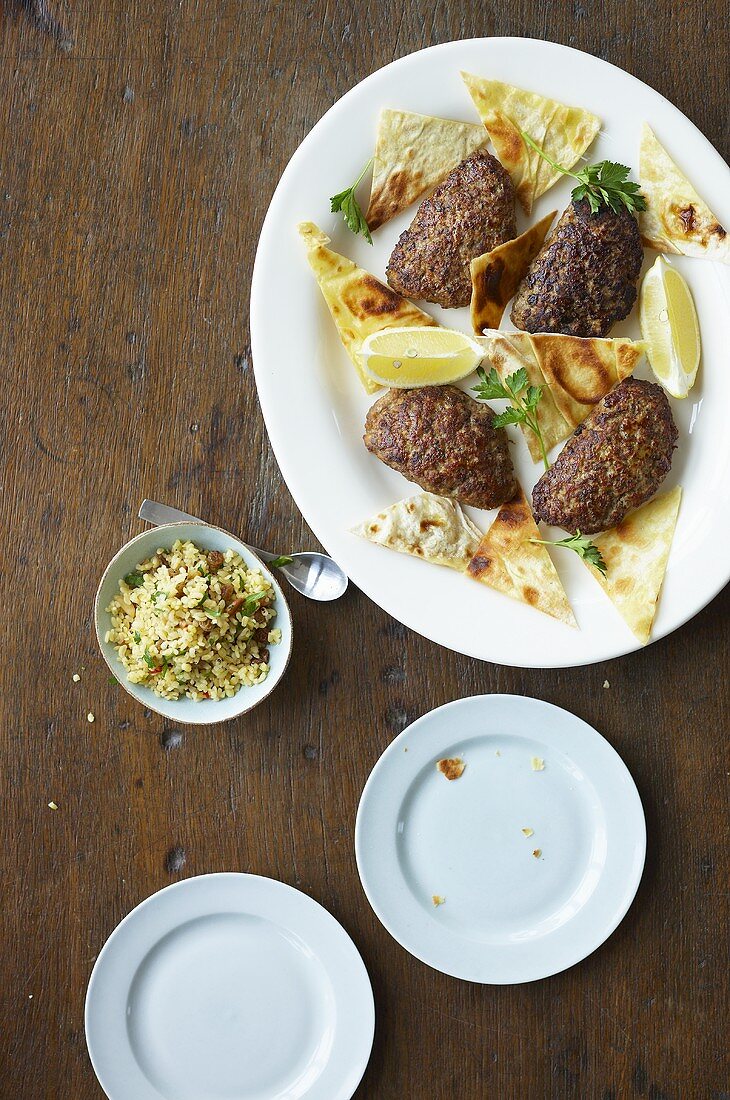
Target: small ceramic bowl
x=189, y=711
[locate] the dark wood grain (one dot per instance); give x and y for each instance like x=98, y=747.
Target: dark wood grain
x=135, y=170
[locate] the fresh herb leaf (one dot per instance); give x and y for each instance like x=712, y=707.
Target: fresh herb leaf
x=252, y=602
x=532, y=396
x=511, y=415
x=346, y=203
x=582, y=546
x=134, y=580
x=523, y=399
x=516, y=382
x=605, y=184
x=113, y=680
x=490, y=386
x=148, y=660
x=137, y=636
x=281, y=560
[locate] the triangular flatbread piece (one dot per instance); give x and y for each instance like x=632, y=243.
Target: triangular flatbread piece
x=427, y=526
x=496, y=275
x=507, y=561
x=571, y=131
x=636, y=553
x=412, y=154
x=563, y=132
x=580, y=371
x=359, y=303
x=507, y=352
x=676, y=219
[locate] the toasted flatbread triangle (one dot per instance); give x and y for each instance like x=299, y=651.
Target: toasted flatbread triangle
x=571, y=131
x=428, y=526
x=507, y=352
x=507, y=561
x=359, y=303
x=563, y=132
x=496, y=275
x=636, y=553
x=676, y=219
x=412, y=154
x=580, y=371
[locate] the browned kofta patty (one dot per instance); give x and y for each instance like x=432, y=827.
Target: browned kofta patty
x=471, y=212
x=613, y=462
x=445, y=441
x=584, y=278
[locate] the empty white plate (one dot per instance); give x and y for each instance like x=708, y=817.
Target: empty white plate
x=229, y=987
x=515, y=870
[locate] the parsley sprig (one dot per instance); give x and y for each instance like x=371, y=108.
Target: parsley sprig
x=347, y=204
x=582, y=546
x=606, y=183
x=523, y=398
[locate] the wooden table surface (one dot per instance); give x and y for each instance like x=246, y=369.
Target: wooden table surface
x=139, y=147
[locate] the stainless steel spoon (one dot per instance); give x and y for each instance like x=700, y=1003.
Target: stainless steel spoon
x=314, y=575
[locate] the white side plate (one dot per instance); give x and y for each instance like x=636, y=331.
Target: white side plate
x=508, y=915
x=229, y=987
x=315, y=407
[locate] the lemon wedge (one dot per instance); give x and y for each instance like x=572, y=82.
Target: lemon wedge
x=670, y=328
x=406, y=358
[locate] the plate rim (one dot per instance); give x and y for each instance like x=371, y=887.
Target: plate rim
x=287, y=468
x=330, y=925
x=486, y=699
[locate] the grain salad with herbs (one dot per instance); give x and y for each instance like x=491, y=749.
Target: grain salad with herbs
x=194, y=623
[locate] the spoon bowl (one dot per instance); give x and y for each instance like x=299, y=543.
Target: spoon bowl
x=315, y=575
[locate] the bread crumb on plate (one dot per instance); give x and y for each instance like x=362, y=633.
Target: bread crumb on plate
x=538, y=764
x=451, y=766
x=528, y=831
x=437, y=900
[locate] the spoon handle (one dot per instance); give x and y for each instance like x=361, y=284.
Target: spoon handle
x=157, y=514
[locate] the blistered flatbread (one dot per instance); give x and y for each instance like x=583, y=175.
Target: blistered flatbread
x=359, y=303
x=636, y=553
x=413, y=153
x=507, y=352
x=496, y=275
x=428, y=526
x=507, y=561
x=563, y=132
x=676, y=219
x=581, y=371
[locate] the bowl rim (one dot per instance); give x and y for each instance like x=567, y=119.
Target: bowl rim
x=115, y=670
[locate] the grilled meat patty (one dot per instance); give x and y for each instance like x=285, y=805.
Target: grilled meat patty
x=445, y=441
x=471, y=212
x=584, y=278
x=613, y=462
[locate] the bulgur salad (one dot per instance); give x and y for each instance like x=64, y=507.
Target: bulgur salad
x=194, y=623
